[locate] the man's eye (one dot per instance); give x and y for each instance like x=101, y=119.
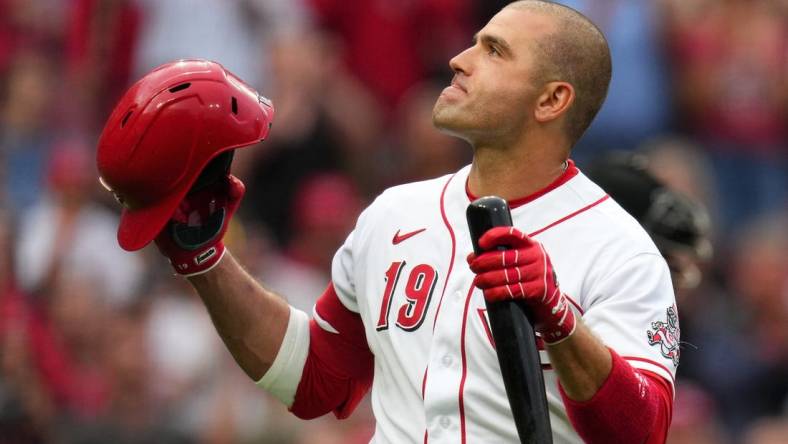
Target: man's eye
x=493, y=51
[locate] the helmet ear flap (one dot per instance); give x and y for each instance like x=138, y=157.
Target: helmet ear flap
x=216, y=169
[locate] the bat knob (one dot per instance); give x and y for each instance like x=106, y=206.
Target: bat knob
x=485, y=213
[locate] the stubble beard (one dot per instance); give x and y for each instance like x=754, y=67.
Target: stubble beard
x=447, y=118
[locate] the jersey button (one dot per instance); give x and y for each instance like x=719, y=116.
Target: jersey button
x=458, y=295
x=447, y=360
x=445, y=422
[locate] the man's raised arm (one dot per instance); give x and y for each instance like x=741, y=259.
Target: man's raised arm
x=250, y=319
x=165, y=154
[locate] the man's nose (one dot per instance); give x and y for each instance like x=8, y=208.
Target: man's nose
x=460, y=63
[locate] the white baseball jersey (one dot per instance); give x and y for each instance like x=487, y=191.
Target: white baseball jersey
x=436, y=374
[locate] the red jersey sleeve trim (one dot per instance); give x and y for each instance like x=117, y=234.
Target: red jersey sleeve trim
x=630, y=406
x=643, y=364
x=339, y=367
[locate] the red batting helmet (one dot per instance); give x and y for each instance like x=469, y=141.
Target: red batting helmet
x=165, y=130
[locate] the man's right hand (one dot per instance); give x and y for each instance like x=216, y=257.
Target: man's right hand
x=523, y=272
x=192, y=239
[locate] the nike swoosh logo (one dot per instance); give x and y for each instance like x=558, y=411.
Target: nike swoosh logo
x=399, y=238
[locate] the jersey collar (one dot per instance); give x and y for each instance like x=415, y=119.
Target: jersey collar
x=570, y=172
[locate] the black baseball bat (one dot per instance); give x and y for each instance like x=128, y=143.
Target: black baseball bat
x=513, y=333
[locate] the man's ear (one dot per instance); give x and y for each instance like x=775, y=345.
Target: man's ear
x=554, y=101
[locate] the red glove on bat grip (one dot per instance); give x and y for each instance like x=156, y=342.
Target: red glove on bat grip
x=192, y=239
x=523, y=272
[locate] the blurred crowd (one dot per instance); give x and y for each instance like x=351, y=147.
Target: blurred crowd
x=99, y=345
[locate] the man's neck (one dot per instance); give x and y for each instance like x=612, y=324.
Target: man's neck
x=514, y=173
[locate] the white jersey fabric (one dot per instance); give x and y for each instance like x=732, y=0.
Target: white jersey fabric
x=403, y=270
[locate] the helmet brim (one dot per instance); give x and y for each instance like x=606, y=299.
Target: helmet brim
x=139, y=227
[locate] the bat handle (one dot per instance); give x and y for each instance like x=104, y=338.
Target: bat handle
x=515, y=341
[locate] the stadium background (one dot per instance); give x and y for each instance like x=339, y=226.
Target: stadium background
x=98, y=345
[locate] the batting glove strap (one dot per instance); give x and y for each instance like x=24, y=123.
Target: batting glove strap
x=558, y=321
x=189, y=265
x=523, y=271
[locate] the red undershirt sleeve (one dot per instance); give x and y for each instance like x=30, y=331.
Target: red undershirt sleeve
x=339, y=367
x=632, y=406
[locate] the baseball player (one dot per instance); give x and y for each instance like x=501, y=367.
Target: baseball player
x=404, y=314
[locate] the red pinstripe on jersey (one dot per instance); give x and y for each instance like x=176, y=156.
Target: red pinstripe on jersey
x=464, y=363
x=486, y=325
x=453, y=249
x=446, y=281
x=570, y=215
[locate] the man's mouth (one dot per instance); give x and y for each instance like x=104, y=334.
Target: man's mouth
x=456, y=84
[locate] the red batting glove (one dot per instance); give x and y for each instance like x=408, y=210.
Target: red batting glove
x=192, y=239
x=523, y=271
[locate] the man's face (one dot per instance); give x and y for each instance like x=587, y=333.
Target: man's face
x=495, y=86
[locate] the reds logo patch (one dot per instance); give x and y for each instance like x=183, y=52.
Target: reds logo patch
x=666, y=335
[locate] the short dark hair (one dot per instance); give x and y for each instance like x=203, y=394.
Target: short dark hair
x=577, y=53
